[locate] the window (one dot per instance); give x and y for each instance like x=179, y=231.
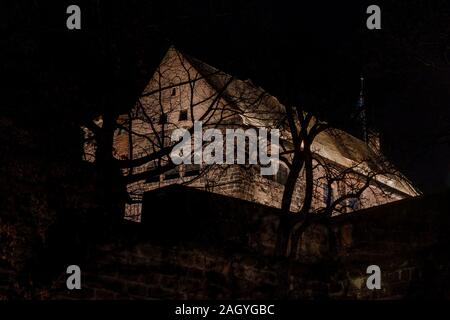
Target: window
x=163, y=118
x=282, y=174
x=183, y=115
x=174, y=92
x=353, y=203
x=327, y=194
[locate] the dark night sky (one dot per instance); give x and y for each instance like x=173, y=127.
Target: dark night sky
x=307, y=53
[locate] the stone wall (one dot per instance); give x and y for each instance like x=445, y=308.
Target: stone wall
x=408, y=239
x=189, y=247
x=246, y=183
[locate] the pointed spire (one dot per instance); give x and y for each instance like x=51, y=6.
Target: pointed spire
x=361, y=110
x=360, y=103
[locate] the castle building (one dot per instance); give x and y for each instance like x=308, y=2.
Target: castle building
x=184, y=90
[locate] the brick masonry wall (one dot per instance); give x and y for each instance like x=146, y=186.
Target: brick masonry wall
x=407, y=239
x=7, y=282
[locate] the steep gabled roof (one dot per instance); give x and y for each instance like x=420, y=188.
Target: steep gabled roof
x=260, y=109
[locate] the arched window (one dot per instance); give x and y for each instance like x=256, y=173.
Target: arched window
x=282, y=174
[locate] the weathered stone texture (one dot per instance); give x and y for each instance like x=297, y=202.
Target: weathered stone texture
x=229, y=254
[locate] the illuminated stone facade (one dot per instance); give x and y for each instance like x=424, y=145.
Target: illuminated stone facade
x=184, y=89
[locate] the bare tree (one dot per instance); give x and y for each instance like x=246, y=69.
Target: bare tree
x=326, y=186
x=183, y=91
